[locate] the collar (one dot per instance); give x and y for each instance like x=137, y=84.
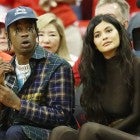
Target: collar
x=39, y=53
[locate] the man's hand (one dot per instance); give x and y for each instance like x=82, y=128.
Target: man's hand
x=4, y=68
x=9, y=98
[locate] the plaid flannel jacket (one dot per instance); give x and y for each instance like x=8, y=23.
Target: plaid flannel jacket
x=47, y=97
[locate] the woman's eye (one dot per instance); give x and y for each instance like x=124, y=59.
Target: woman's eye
x=40, y=34
x=52, y=34
x=109, y=30
x=96, y=35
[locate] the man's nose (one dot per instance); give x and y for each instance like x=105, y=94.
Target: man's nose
x=24, y=33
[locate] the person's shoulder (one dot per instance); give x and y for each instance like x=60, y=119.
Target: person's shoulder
x=136, y=61
x=54, y=58
x=58, y=59
x=137, y=58
x=41, y=53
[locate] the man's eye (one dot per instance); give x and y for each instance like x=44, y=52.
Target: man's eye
x=30, y=28
x=17, y=30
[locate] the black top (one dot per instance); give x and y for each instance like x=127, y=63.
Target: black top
x=116, y=99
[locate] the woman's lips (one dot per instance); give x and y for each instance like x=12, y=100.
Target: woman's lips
x=106, y=44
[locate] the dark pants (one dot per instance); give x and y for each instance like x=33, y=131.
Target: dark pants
x=64, y=133
x=90, y=131
x=95, y=131
x=13, y=133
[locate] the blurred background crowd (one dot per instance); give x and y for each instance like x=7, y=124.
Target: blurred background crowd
x=74, y=14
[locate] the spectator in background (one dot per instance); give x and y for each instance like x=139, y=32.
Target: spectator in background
x=134, y=32
x=3, y=39
x=134, y=6
x=37, y=91
x=119, y=9
x=4, y=49
x=65, y=12
x=134, y=23
x=52, y=36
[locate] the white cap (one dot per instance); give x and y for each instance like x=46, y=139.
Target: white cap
x=3, y=12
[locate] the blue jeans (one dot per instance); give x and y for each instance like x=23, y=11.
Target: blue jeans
x=13, y=133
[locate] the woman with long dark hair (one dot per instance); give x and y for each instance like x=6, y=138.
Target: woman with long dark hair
x=111, y=82
x=107, y=71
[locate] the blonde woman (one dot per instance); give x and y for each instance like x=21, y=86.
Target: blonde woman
x=52, y=36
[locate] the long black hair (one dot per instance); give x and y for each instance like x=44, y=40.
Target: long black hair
x=92, y=66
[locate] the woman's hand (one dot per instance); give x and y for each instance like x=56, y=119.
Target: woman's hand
x=113, y=124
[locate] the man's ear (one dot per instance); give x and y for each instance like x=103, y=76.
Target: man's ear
x=8, y=38
x=37, y=31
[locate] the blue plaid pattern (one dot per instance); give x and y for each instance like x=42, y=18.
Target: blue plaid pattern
x=47, y=97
